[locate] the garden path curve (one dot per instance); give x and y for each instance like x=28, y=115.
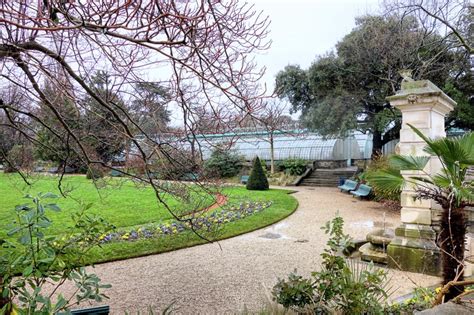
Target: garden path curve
x=239, y=272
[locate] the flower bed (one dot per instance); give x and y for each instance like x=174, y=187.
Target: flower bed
x=207, y=222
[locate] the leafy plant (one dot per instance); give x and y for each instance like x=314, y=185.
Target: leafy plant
x=294, y=166
x=296, y=291
x=449, y=188
x=341, y=285
x=381, y=163
x=257, y=179
x=223, y=163
x=35, y=259
x=421, y=299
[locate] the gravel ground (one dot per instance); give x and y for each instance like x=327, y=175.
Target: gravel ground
x=240, y=272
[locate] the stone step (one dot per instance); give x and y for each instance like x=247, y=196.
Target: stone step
x=327, y=177
x=316, y=185
x=321, y=180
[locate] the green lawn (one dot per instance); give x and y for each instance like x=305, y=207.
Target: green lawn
x=123, y=204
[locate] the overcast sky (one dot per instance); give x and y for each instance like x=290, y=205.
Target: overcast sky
x=303, y=29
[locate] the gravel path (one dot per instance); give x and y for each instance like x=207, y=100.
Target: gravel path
x=208, y=279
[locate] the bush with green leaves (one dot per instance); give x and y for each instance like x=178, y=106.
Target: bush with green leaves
x=257, y=179
x=30, y=258
x=223, y=163
x=296, y=291
x=377, y=164
x=293, y=166
x=341, y=286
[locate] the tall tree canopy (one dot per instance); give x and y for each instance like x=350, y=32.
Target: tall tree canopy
x=149, y=107
x=346, y=89
x=104, y=135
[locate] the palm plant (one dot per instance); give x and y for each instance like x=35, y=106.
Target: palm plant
x=449, y=188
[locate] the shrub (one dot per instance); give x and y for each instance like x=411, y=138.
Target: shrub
x=95, y=172
x=340, y=287
x=20, y=157
x=32, y=259
x=223, y=164
x=380, y=163
x=257, y=179
x=297, y=291
x=294, y=166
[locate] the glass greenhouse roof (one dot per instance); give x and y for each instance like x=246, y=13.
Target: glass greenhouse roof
x=305, y=146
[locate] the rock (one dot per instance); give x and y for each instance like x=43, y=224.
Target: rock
x=449, y=308
x=381, y=237
x=370, y=252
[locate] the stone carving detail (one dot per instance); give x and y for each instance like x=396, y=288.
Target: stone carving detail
x=412, y=98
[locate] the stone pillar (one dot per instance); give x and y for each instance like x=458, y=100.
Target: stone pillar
x=424, y=106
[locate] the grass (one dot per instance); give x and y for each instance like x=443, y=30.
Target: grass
x=126, y=205
x=122, y=203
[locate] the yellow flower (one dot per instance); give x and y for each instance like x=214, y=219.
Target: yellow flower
x=126, y=236
x=438, y=290
x=427, y=298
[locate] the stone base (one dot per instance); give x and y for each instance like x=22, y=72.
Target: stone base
x=369, y=252
x=414, y=249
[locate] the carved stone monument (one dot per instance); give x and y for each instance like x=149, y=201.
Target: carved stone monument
x=424, y=106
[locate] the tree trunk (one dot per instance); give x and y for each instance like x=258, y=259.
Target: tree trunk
x=272, y=156
x=451, y=241
x=377, y=144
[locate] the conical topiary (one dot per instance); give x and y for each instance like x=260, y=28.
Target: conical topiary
x=257, y=179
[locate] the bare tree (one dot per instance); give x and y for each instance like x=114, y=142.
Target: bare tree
x=200, y=52
x=201, y=49
x=452, y=18
x=273, y=119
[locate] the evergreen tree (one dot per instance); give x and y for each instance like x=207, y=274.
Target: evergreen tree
x=257, y=179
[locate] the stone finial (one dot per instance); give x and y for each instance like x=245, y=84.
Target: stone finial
x=406, y=75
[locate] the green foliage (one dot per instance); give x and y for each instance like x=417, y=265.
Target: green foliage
x=257, y=179
x=53, y=142
x=456, y=155
x=117, y=203
x=281, y=179
x=33, y=258
x=105, y=133
x=149, y=107
x=293, y=167
x=461, y=89
x=346, y=90
x=341, y=285
x=223, y=163
x=382, y=192
x=422, y=299
x=449, y=188
x=296, y=291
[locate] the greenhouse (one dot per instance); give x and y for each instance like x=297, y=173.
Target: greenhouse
x=297, y=144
